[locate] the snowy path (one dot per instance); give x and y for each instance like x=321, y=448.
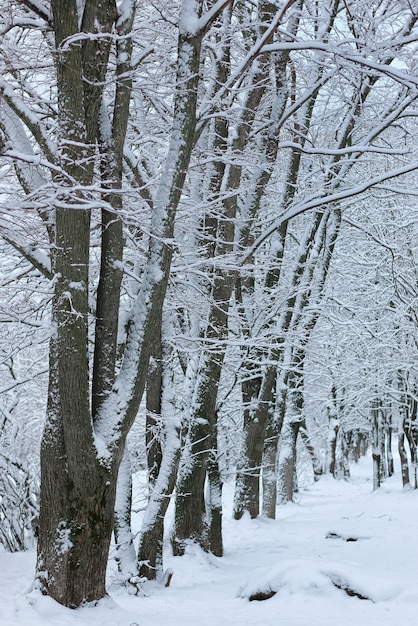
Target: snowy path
x=291, y=556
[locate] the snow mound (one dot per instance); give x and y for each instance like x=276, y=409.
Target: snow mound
x=319, y=578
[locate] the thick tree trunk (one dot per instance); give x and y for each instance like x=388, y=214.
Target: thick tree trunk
x=81, y=452
x=77, y=494
x=75, y=522
x=74, y=537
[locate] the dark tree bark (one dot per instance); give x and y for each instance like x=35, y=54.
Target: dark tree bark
x=198, y=519
x=247, y=487
x=81, y=451
x=376, y=439
x=404, y=460
x=214, y=500
x=163, y=454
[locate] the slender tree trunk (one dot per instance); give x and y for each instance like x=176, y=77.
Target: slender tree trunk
x=150, y=551
x=286, y=467
x=270, y=475
x=414, y=457
x=316, y=463
x=214, y=503
x=124, y=538
x=247, y=487
x=193, y=520
x=389, y=453
x=190, y=523
x=404, y=460
x=271, y=445
x=376, y=452
x=163, y=448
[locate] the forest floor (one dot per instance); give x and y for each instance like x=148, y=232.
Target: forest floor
x=342, y=556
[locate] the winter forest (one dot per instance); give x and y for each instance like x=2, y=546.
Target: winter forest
x=208, y=272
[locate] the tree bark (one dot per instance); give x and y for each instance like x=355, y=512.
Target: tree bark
x=163, y=454
x=376, y=451
x=124, y=538
x=197, y=521
x=214, y=503
x=270, y=475
x=80, y=459
x=247, y=486
x=150, y=551
x=404, y=460
x=293, y=420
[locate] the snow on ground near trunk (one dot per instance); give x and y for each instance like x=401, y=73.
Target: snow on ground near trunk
x=291, y=556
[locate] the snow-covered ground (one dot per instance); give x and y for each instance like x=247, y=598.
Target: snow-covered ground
x=291, y=556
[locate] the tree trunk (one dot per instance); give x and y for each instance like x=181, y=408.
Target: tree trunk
x=376, y=452
x=190, y=523
x=286, y=468
x=163, y=446
x=74, y=536
x=404, y=460
x=333, y=434
x=80, y=456
x=247, y=487
x=270, y=475
x=214, y=504
x=124, y=539
x=389, y=453
x=150, y=551
x=316, y=463
x=414, y=456
x=76, y=517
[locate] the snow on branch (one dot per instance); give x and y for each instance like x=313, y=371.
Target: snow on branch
x=323, y=200
x=343, y=151
x=38, y=259
x=38, y=8
x=337, y=50
x=199, y=26
x=28, y=118
x=235, y=79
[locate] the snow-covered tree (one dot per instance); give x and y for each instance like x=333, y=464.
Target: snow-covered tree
x=179, y=180
x=72, y=115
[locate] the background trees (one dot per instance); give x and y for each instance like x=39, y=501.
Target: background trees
x=212, y=205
